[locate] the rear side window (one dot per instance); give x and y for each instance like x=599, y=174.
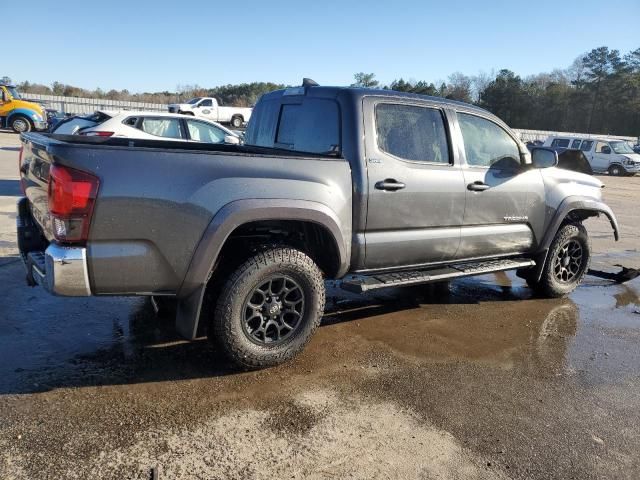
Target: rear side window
x=486, y=144
x=412, y=133
x=586, y=145
x=560, y=142
x=575, y=144
x=262, y=126
x=162, y=127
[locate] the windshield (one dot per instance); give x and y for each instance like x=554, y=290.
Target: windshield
x=194, y=100
x=14, y=93
x=621, y=147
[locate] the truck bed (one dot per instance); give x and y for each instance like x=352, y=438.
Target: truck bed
x=157, y=198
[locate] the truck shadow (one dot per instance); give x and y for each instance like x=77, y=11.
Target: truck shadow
x=111, y=341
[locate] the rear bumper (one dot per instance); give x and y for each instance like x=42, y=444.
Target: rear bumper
x=59, y=269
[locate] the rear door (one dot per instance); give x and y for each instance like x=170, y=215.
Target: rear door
x=416, y=189
x=503, y=197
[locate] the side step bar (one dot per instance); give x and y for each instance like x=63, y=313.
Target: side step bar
x=363, y=283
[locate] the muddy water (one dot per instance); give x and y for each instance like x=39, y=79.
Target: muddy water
x=486, y=382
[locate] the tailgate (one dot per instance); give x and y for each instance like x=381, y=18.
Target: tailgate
x=34, y=175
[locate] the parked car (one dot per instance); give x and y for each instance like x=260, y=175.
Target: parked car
x=146, y=125
x=373, y=187
x=18, y=114
x=211, y=109
x=605, y=155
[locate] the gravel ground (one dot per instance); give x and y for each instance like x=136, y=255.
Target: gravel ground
x=487, y=382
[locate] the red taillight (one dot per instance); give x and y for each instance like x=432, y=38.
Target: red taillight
x=20, y=169
x=72, y=194
x=95, y=133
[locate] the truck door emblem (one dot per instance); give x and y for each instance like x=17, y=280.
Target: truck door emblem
x=516, y=218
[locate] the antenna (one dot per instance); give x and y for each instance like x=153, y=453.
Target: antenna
x=307, y=82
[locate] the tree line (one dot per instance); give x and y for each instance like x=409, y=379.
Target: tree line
x=598, y=93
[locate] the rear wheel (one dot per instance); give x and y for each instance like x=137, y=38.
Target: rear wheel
x=237, y=121
x=616, y=170
x=269, y=308
x=21, y=124
x=566, y=263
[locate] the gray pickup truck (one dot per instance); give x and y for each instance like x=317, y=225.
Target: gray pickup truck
x=376, y=188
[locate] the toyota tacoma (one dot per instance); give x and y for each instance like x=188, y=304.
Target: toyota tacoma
x=374, y=188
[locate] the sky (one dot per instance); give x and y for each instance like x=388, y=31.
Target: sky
x=145, y=45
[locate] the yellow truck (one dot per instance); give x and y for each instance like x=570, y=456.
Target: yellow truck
x=18, y=114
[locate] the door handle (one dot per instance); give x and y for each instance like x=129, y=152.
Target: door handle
x=478, y=186
x=390, y=184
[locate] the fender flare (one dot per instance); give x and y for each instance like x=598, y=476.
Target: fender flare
x=224, y=222
x=21, y=111
x=568, y=205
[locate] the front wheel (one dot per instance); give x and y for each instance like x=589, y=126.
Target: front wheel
x=616, y=170
x=269, y=308
x=566, y=262
x=21, y=124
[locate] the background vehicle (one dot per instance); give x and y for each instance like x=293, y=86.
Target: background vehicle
x=146, y=125
x=605, y=155
x=210, y=108
x=18, y=114
x=377, y=188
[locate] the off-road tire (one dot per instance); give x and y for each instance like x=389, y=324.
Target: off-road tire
x=616, y=170
x=237, y=121
x=549, y=284
x=21, y=120
x=227, y=329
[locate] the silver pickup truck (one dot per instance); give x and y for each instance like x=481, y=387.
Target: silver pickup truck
x=376, y=188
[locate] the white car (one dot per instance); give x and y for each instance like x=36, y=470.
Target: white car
x=210, y=109
x=147, y=125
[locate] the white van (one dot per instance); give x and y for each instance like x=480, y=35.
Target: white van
x=608, y=155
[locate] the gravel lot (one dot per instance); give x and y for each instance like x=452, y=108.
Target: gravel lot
x=488, y=382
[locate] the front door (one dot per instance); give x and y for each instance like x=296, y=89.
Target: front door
x=206, y=110
x=503, y=197
x=416, y=190
x=601, y=157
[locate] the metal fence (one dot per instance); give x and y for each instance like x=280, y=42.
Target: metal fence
x=77, y=105
x=541, y=135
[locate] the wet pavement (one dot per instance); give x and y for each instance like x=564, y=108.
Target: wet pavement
x=484, y=382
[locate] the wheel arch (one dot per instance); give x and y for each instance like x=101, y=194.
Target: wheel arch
x=572, y=209
x=239, y=214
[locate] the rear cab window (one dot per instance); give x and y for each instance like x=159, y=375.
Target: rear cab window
x=302, y=124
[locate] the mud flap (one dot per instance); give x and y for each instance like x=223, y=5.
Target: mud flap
x=188, y=313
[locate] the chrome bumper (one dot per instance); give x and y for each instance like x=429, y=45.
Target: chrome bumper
x=40, y=125
x=60, y=270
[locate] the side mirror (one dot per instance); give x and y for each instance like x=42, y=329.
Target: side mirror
x=231, y=140
x=544, y=157
x=606, y=149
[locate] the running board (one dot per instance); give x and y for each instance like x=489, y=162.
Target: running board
x=362, y=283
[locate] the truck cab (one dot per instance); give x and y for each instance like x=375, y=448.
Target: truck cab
x=18, y=114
